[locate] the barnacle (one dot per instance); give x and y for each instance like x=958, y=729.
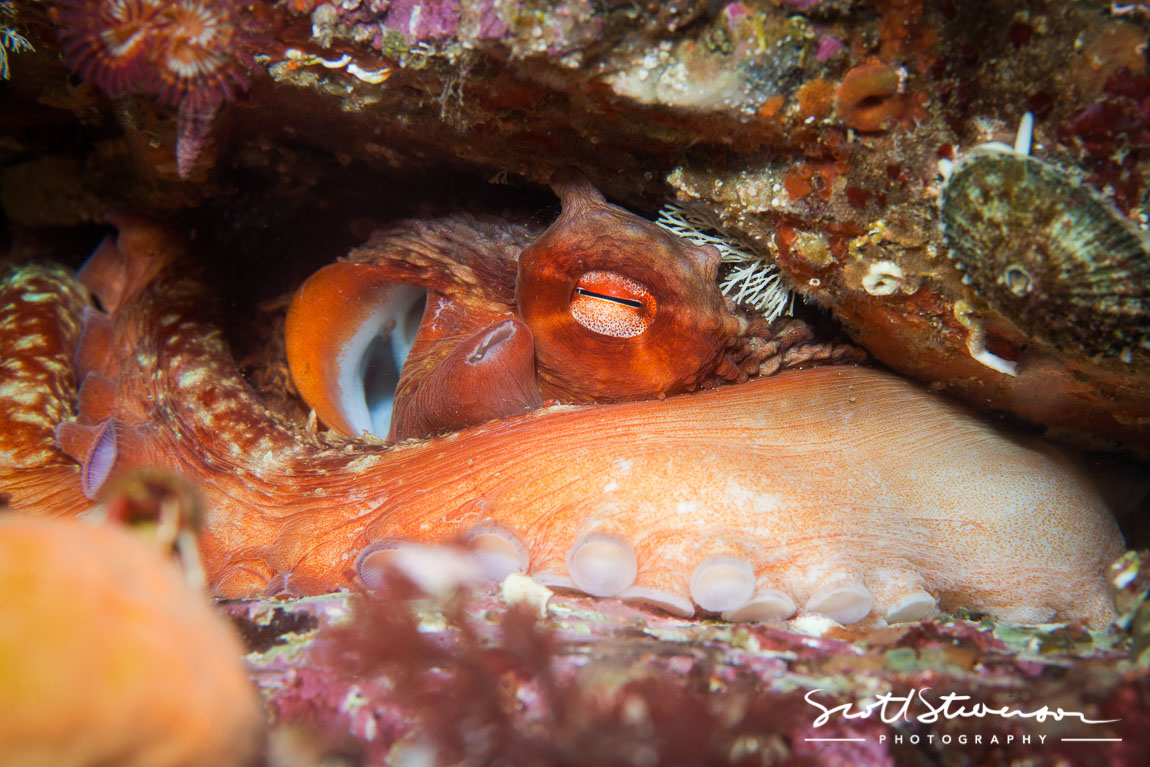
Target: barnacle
x=870, y=97
x=883, y=278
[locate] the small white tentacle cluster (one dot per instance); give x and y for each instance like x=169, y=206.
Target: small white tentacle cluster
x=753, y=281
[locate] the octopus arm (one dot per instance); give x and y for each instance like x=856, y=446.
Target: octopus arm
x=838, y=490
x=40, y=318
x=349, y=329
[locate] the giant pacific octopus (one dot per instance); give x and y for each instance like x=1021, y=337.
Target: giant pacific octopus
x=581, y=405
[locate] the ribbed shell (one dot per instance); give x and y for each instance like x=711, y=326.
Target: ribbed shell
x=1047, y=251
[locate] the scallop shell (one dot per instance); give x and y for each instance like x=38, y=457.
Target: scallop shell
x=1044, y=249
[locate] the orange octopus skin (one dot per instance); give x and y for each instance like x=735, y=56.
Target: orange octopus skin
x=603, y=306
x=838, y=490
x=468, y=295
x=595, y=351
x=40, y=320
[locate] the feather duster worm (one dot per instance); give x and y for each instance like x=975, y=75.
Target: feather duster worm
x=184, y=52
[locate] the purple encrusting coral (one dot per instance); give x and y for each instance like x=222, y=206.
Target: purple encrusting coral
x=489, y=24
x=828, y=46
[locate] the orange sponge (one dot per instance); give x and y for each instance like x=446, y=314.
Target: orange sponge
x=108, y=657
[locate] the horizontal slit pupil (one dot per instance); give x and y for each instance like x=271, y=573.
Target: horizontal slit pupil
x=613, y=299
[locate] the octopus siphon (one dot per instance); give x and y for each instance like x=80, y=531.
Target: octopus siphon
x=578, y=404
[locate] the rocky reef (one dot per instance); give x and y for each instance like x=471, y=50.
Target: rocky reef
x=809, y=133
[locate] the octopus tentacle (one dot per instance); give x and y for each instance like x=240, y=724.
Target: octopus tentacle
x=105, y=436
x=838, y=490
x=345, y=319
x=120, y=268
x=93, y=350
x=766, y=348
x=40, y=319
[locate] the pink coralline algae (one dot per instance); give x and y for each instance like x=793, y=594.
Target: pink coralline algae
x=828, y=46
x=423, y=21
x=1111, y=131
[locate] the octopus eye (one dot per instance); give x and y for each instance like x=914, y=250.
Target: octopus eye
x=610, y=304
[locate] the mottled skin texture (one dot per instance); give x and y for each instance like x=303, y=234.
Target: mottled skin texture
x=468, y=269
x=40, y=310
